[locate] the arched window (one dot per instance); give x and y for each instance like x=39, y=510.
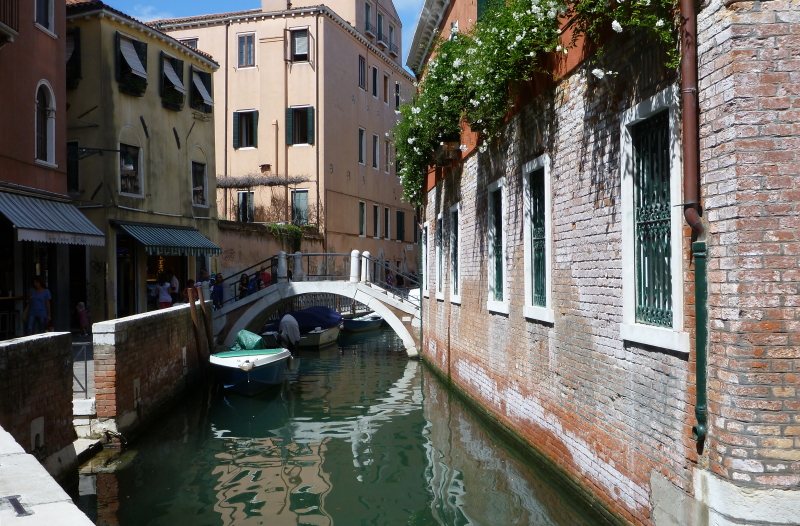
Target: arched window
x=45, y=125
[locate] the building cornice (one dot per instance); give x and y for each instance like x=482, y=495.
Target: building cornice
x=247, y=16
x=428, y=24
x=115, y=16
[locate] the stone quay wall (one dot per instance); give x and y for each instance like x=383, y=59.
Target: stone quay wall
x=614, y=415
x=36, y=397
x=143, y=362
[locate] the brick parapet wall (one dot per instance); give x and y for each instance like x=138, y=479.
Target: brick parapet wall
x=750, y=158
x=151, y=349
x=607, y=412
x=36, y=382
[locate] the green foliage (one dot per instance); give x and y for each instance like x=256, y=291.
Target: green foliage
x=472, y=76
x=291, y=234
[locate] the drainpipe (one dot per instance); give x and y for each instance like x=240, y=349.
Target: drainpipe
x=225, y=123
x=691, y=196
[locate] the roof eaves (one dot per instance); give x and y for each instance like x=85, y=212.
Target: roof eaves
x=429, y=19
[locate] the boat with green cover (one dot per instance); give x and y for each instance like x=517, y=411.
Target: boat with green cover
x=249, y=367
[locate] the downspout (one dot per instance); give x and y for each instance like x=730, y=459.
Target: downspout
x=316, y=124
x=225, y=121
x=691, y=197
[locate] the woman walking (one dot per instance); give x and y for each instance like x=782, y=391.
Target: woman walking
x=39, y=307
x=162, y=292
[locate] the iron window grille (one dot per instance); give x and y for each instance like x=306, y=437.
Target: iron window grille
x=496, y=216
x=651, y=176
x=454, y=279
x=538, y=238
x=199, y=184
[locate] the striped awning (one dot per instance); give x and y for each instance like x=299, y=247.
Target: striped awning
x=169, y=71
x=132, y=57
x=48, y=221
x=168, y=241
x=201, y=89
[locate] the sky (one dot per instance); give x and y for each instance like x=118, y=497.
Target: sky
x=146, y=11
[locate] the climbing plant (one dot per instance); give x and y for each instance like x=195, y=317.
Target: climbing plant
x=291, y=234
x=472, y=77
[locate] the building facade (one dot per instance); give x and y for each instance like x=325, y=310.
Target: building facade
x=42, y=233
x=565, y=294
x=308, y=93
x=140, y=130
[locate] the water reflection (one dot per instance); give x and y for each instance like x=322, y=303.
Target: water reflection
x=359, y=435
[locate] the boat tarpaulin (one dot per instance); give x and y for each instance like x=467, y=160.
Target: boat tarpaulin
x=49, y=221
x=168, y=241
x=311, y=318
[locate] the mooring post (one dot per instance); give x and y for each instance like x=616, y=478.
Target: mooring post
x=283, y=275
x=365, y=267
x=354, y=267
x=297, y=267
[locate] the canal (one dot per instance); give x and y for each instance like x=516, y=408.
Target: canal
x=358, y=435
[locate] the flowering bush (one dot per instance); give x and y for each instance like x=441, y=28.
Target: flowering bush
x=472, y=75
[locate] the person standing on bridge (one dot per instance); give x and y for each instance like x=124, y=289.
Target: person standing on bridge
x=289, y=332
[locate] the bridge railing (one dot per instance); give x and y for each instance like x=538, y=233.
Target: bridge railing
x=399, y=282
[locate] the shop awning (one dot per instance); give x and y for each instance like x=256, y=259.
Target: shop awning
x=48, y=221
x=166, y=241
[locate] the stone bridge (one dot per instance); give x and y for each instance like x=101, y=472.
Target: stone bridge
x=252, y=312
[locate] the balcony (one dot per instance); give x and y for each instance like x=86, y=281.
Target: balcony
x=381, y=39
x=393, y=49
x=9, y=21
x=370, y=29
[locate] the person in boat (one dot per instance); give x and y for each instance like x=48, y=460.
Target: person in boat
x=289, y=332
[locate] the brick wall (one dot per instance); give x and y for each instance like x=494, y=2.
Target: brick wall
x=750, y=129
x=155, y=353
x=36, y=382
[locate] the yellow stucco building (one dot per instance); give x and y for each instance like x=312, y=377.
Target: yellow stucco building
x=310, y=92
x=142, y=168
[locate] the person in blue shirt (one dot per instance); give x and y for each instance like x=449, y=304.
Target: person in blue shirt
x=39, y=311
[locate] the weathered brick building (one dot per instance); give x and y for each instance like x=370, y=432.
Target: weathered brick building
x=553, y=300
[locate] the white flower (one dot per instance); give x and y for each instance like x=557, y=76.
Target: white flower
x=471, y=51
x=659, y=23
x=559, y=48
x=411, y=140
x=444, y=98
x=482, y=148
x=478, y=41
x=415, y=110
x=474, y=102
x=552, y=13
x=599, y=73
x=457, y=62
x=616, y=26
x=463, y=147
x=417, y=151
x=566, y=51
x=519, y=37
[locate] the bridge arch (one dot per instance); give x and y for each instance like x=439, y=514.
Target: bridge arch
x=252, y=312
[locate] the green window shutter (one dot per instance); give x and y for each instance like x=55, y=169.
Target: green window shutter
x=178, y=67
x=161, y=74
x=310, y=138
x=141, y=50
x=497, y=245
x=118, y=58
x=651, y=176
x=289, y=126
x=235, y=129
x=483, y=5
x=74, y=63
x=538, y=238
x=255, y=129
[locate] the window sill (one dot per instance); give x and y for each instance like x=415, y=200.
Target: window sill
x=246, y=148
x=539, y=314
x=660, y=337
x=46, y=31
x=45, y=164
x=440, y=296
x=456, y=300
x=426, y=294
x=293, y=61
x=362, y=235
x=302, y=144
x=498, y=307
x=126, y=194
x=246, y=67
x=199, y=205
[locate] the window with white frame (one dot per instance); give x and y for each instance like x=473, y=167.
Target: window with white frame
x=439, y=258
x=652, y=284
x=498, y=293
x=199, y=184
x=247, y=50
x=362, y=218
x=362, y=72
x=300, y=207
x=362, y=146
x=300, y=51
x=387, y=149
x=376, y=152
x=45, y=125
x=247, y=206
x=376, y=221
x=425, y=269
x=44, y=15
x=537, y=232
x=455, y=253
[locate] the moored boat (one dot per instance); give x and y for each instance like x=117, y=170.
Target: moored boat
x=250, y=368
x=363, y=323
x=319, y=337
x=319, y=326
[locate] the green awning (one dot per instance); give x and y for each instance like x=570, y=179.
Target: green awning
x=49, y=221
x=167, y=241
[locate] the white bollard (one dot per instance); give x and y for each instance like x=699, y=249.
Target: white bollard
x=297, y=267
x=365, y=267
x=283, y=275
x=354, y=266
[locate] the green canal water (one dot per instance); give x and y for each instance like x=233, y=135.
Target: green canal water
x=358, y=435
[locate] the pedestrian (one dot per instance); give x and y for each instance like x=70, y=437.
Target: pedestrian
x=161, y=292
x=39, y=307
x=218, y=291
x=266, y=277
x=390, y=279
x=175, y=286
x=244, y=285
x=289, y=332
x=189, y=285
x=83, y=317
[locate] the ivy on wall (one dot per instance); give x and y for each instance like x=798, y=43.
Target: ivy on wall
x=473, y=74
